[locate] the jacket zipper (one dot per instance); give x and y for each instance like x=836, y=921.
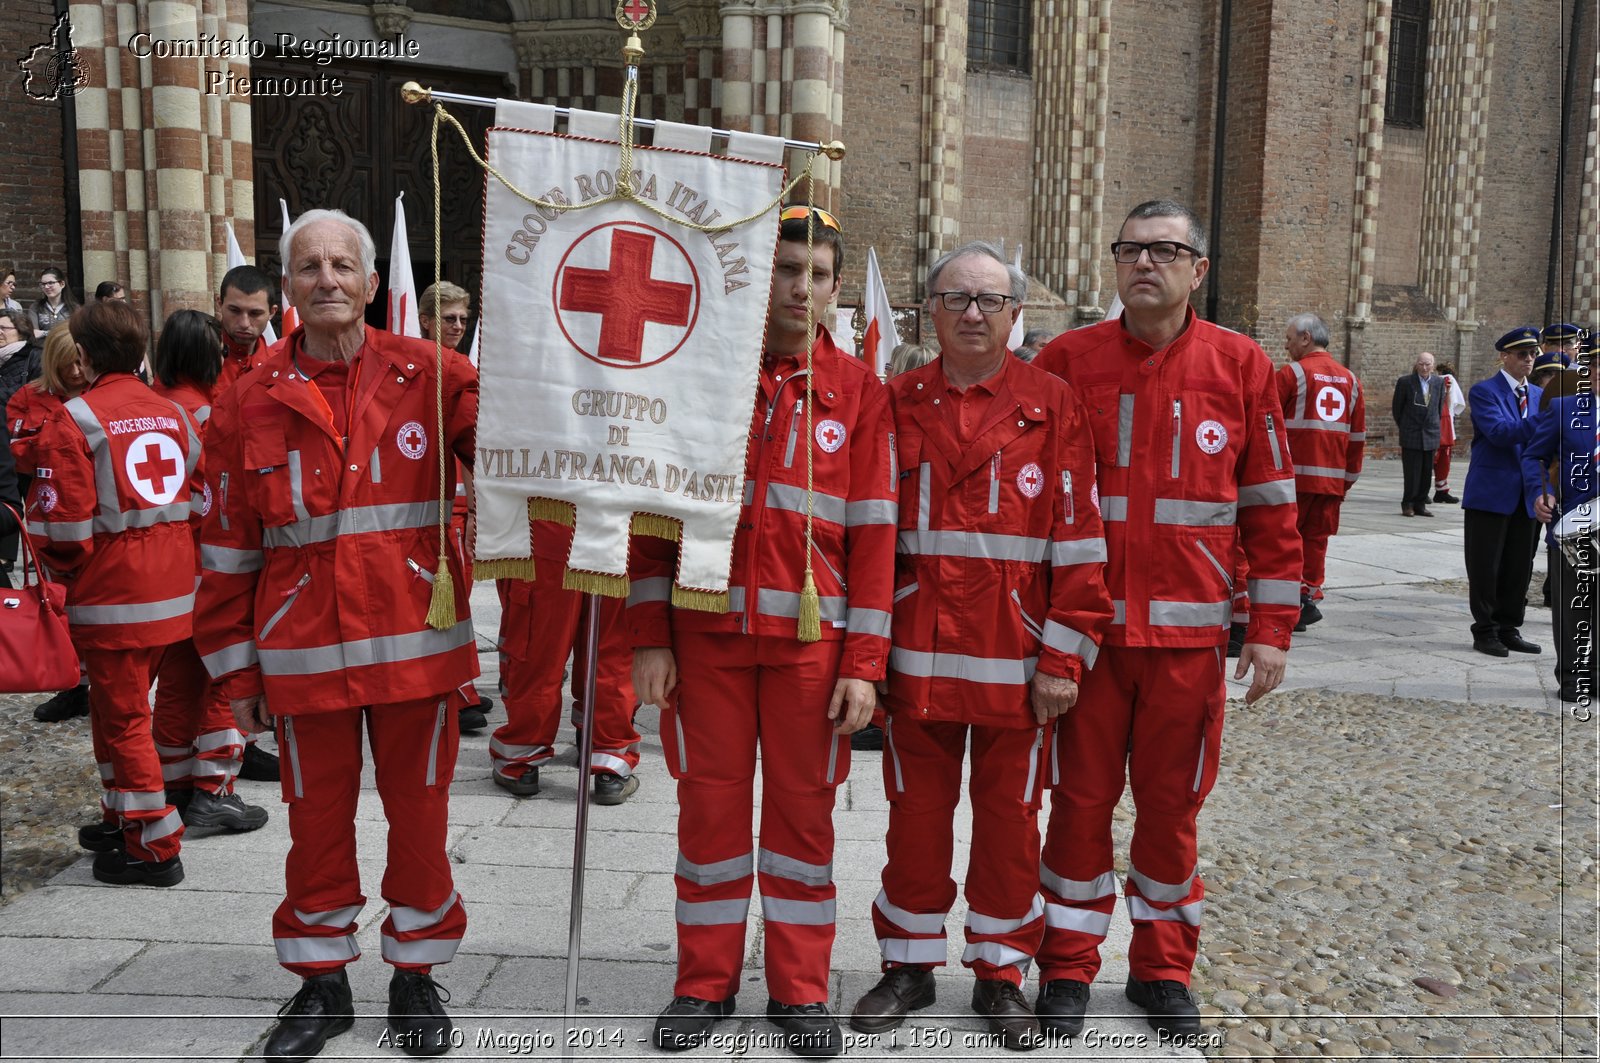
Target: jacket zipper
x=377, y=470
x=1272, y=436
x=420, y=572
x=1227, y=577
x=222, y=512
x=290, y=595
x=1177, y=435
x=794, y=433
x=1033, y=765
x=994, y=483
x=436, y=747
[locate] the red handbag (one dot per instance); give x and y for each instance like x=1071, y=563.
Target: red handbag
x=36, y=654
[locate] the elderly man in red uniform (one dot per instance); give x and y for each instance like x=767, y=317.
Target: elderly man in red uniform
x=319, y=558
x=751, y=679
x=1192, y=465
x=999, y=604
x=1326, y=416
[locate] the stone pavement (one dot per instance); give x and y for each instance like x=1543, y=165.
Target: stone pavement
x=100, y=972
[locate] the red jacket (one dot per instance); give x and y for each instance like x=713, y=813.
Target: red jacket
x=1192, y=464
x=26, y=414
x=853, y=519
x=196, y=401
x=1001, y=552
x=110, y=507
x=1326, y=416
x=318, y=554
x=236, y=364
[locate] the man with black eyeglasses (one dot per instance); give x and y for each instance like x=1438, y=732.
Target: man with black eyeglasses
x=1193, y=466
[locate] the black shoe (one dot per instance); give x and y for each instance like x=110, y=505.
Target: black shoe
x=227, y=811
x=613, y=789
x=1491, y=645
x=259, y=765
x=898, y=993
x=1424, y=511
x=416, y=1014
x=1236, y=639
x=1511, y=640
x=119, y=869
x=1169, y=1007
x=869, y=737
x=1309, y=614
x=471, y=719
x=180, y=798
x=808, y=1029
x=1062, y=1005
x=688, y=1020
x=1445, y=498
x=485, y=704
x=1009, y=1014
x=322, y=1009
x=101, y=837
x=524, y=785
x=64, y=706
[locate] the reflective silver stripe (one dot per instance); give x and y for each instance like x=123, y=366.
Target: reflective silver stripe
x=501, y=751
x=1299, y=407
x=713, y=913
x=1083, y=920
x=894, y=755
x=794, y=433
x=1113, y=507
x=1227, y=577
x=1192, y=614
x=426, y=950
x=294, y=756
x=377, y=470
x=1071, y=889
x=1188, y=914
x=994, y=483
x=222, y=501
x=386, y=649
x=654, y=589
x=1033, y=768
x=910, y=922
x=988, y=924
x=780, y=866
x=996, y=954
x=408, y=920
x=173, y=751
x=1119, y=611
x=868, y=622
x=107, y=773
x=798, y=913
x=431, y=778
x=203, y=414
x=339, y=949
x=135, y=800
x=872, y=511
x=683, y=746
x=354, y=520
x=226, y=768
x=787, y=603
x=924, y=495
x=1066, y=640
x=611, y=762
x=1124, y=430
x=282, y=610
x=154, y=830
x=737, y=867
x=1194, y=514
x=749, y=497
x=67, y=531
x=1077, y=552
x=998, y=670
x=211, y=741
x=824, y=506
x=109, y=519
x=833, y=758
x=1271, y=493
x=1272, y=437
x=297, y=497
x=907, y=591
x=332, y=917
x=1351, y=477
x=912, y=950
x=1358, y=437
x=230, y=659
x=1200, y=762
x=142, y=613
x=1161, y=892
x=989, y=546
x=1318, y=470
x=1274, y=591
x=1315, y=424
x=226, y=559
x=176, y=769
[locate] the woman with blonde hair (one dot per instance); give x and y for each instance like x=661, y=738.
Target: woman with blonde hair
x=909, y=356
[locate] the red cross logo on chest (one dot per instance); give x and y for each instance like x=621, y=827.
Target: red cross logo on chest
x=830, y=435
x=155, y=469
x=414, y=439
x=1030, y=480
x=627, y=295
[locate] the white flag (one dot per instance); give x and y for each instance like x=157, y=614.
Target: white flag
x=236, y=258
x=1116, y=308
x=291, y=318
x=882, y=337
x=1017, y=332
x=402, y=319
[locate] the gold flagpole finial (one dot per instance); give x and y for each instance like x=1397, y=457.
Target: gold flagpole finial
x=413, y=93
x=635, y=16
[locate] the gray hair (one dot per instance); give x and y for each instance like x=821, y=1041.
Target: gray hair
x=1167, y=208
x=1019, y=279
x=369, y=250
x=1311, y=325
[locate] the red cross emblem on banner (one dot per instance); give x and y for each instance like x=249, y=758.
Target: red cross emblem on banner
x=154, y=464
x=639, y=308
x=1330, y=404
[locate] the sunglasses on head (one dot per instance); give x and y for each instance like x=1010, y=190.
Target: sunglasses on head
x=801, y=213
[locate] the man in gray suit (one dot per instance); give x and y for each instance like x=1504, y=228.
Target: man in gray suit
x=1418, y=399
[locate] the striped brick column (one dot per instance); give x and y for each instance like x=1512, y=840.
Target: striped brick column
x=1475, y=96
x=739, y=64
x=702, y=38
x=1586, y=283
x=1369, y=159
x=811, y=58
x=944, y=82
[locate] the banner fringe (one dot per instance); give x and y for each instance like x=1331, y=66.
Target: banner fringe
x=595, y=583
x=705, y=601
x=503, y=568
x=552, y=510
x=657, y=526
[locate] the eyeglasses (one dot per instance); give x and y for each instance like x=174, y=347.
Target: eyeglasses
x=45, y=282
x=988, y=302
x=1127, y=252
x=8, y=327
x=451, y=319
x=800, y=213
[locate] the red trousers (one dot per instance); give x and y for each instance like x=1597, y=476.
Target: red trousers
x=735, y=691
x=414, y=756
x=1159, y=712
x=1318, y=521
x=540, y=625
x=922, y=774
x=1441, y=467
x=194, y=729
x=130, y=770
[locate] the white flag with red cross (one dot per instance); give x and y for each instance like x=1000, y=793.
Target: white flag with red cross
x=402, y=319
x=882, y=335
x=620, y=348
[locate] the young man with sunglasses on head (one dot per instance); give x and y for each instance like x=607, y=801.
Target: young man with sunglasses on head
x=1193, y=466
x=750, y=678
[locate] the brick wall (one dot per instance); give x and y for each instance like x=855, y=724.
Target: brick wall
x=33, y=222
x=1400, y=207
x=997, y=157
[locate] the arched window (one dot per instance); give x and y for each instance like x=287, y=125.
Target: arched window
x=997, y=33
x=1408, y=63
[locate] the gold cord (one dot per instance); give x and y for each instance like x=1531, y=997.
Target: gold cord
x=442, y=604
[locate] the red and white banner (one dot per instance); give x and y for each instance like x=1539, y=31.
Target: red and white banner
x=882, y=336
x=402, y=319
x=620, y=349
x=291, y=316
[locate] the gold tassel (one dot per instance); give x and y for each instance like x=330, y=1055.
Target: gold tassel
x=657, y=526
x=442, y=606
x=552, y=510
x=503, y=568
x=595, y=583
x=810, y=612
x=704, y=601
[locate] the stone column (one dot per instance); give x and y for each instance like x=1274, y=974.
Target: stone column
x=1369, y=158
x=1586, y=285
x=944, y=84
x=810, y=113
x=738, y=64
x=702, y=34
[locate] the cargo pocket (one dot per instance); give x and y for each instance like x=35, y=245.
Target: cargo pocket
x=672, y=742
x=445, y=742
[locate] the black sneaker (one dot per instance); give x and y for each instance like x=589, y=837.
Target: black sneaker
x=471, y=719
x=524, y=785
x=1061, y=1006
x=1309, y=614
x=486, y=704
x=1444, y=498
x=808, y=1029
x=1236, y=639
x=613, y=789
x=322, y=1009
x=116, y=867
x=688, y=1020
x=869, y=737
x=227, y=811
x=101, y=837
x=64, y=706
x=1169, y=1007
x=416, y=1014
x=259, y=765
